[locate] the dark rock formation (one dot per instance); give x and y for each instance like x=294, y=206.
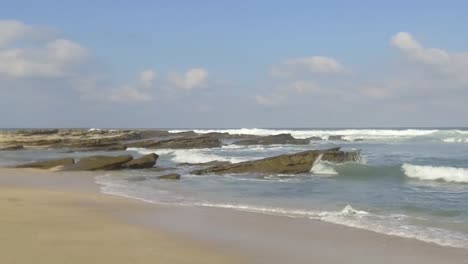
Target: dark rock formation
x=185, y=143
x=12, y=147
x=99, y=163
x=172, y=176
x=48, y=164
x=335, y=137
x=144, y=162
x=315, y=138
x=184, y=134
x=358, y=139
x=274, y=139
x=289, y=164
x=32, y=132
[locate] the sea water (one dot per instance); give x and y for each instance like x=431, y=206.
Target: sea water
x=410, y=182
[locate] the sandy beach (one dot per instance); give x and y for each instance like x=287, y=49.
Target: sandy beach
x=62, y=218
x=48, y=225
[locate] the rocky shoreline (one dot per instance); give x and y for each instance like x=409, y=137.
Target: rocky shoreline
x=117, y=140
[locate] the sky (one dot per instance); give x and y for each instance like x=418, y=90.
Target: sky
x=227, y=64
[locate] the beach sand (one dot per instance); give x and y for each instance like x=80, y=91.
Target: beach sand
x=61, y=218
x=53, y=226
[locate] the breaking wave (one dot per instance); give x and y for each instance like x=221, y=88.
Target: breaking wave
x=193, y=156
x=448, y=174
x=443, y=135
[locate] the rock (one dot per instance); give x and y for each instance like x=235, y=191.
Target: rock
x=48, y=164
x=226, y=135
x=274, y=139
x=12, y=147
x=186, y=143
x=141, y=144
x=315, y=138
x=288, y=164
x=100, y=163
x=172, y=176
x=358, y=139
x=38, y=132
x=184, y=134
x=111, y=147
x=335, y=137
x=154, y=133
x=144, y=162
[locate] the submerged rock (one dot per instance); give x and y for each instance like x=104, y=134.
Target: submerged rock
x=144, y=162
x=100, y=163
x=48, y=164
x=172, y=176
x=288, y=164
x=274, y=139
x=315, y=138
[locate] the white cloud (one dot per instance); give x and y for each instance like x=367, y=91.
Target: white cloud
x=147, y=77
x=53, y=57
x=449, y=64
x=314, y=65
x=191, y=79
x=11, y=30
x=128, y=94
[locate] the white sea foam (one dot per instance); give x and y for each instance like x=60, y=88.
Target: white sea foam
x=455, y=140
x=322, y=168
x=188, y=155
x=349, y=134
x=449, y=174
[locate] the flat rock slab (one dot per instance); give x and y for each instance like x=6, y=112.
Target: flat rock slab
x=301, y=162
x=185, y=143
x=172, y=176
x=143, y=162
x=93, y=163
x=274, y=139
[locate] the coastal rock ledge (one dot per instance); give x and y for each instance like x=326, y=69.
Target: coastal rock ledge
x=301, y=162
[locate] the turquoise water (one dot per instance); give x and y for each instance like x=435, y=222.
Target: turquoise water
x=410, y=182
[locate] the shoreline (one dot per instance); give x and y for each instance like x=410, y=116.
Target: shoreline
x=256, y=237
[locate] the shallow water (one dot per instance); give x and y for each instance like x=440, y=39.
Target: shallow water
x=410, y=183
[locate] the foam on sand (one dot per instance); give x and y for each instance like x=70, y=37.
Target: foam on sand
x=449, y=174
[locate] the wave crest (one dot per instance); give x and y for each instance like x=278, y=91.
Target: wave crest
x=449, y=174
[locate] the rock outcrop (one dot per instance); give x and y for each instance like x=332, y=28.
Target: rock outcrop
x=172, y=176
x=185, y=143
x=144, y=162
x=288, y=164
x=335, y=137
x=12, y=147
x=93, y=163
x=273, y=139
x=48, y=164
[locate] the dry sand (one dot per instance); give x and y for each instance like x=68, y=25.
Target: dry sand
x=50, y=226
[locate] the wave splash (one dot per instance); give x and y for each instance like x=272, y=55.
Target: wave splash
x=448, y=174
x=193, y=156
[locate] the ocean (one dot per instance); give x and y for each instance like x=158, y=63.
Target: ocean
x=410, y=182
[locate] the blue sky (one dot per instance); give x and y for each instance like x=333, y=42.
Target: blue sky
x=234, y=63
